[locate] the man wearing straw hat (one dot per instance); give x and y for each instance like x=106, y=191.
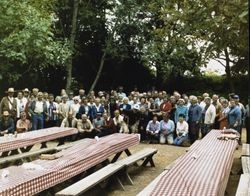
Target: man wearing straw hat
x=6, y=123
x=9, y=104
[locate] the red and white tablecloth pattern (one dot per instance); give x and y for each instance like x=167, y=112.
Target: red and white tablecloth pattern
x=33, y=137
x=74, y=161
x=203, y=170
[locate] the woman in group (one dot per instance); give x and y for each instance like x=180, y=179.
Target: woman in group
x=223, y=114
x=181, y=131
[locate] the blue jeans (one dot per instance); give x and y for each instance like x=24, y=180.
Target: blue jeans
x=169, y=138
x=37, y=121
x=179, y=140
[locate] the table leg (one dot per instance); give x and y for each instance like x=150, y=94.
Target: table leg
x=5, y=154
x=116, y=157
x=128, y=153
x=44, y=145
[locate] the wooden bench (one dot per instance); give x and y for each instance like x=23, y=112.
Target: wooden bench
x=245, y=150
x=245, y=161
x=244, y=185
x=146, y=154
x=91, y=180
x=109, y=170
x=30, y=154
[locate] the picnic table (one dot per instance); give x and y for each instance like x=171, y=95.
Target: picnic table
x=203, y=170
x=10, y=142
x=71, y=162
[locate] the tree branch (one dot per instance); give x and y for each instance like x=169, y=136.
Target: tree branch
x=220, y=62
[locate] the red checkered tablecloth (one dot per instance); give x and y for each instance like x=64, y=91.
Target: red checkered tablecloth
x=33, y=137
x=203, y=170
x=74, y=161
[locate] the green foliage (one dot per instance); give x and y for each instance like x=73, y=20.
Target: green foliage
x=27, y=39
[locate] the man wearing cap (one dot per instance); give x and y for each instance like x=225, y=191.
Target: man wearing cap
x=6, y=124
x=9, y=104
x=26, y=94
x=242, y=109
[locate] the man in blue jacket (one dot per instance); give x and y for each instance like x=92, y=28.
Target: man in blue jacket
x=194, y=117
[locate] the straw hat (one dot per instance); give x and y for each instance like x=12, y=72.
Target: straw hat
x=10, y=90
x=6, y=113
x=26, y=90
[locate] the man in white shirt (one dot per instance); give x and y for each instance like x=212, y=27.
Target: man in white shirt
x=21, y=103
x=38, y=111
x=208, y=117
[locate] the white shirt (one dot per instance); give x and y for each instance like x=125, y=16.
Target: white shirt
x=210, y=115
x=39, y=107
x=74, y=108
x=119, y=120
x=182, y=128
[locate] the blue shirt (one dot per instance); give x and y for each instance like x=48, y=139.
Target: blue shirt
x=194, y=113
x=153, y=127
x=167, y=126
x=181, y=110
x=234, y=115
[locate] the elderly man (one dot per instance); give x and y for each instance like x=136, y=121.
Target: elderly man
x=208, y=116
x=9, y=104
x=38, y=111
x=6, y=124
x=85, y=127
x=194, y=117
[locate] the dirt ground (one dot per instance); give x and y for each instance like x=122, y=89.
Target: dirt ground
x=165, y=155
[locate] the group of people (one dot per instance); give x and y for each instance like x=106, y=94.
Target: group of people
x=155, y=115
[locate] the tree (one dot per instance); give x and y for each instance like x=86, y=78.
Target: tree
x=27, y=39
x=223, y=28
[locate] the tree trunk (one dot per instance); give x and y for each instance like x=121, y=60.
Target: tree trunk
x=99, y=72
x=228, y=72
x=72, y=41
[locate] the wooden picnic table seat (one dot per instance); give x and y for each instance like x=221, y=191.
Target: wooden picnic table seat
x=146, y=154
x=245, y=161
x=244, y=185
x=245, y=150
x=34, y=153
x=109, y=170
x=91, y=180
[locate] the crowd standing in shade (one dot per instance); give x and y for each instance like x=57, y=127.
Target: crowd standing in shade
x=157, y=116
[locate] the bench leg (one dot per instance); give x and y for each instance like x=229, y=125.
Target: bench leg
x=120, y=183
x=129, y=178
x=149, y=159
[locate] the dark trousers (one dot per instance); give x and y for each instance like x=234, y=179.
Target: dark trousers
x=194, y=129
x=105, y=132
x=247, y=121
x=205, y=129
